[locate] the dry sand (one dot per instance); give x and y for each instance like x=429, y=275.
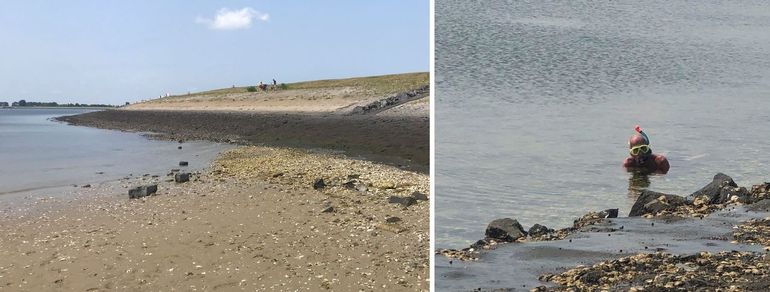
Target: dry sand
x=253, y=222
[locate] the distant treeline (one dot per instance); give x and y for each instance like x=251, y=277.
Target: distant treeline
x=52, y=104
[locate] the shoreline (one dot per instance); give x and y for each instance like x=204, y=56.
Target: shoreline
x=256, y=219
x=400, y=140
x=719, y=223
x=327, y=200
x=59, y=107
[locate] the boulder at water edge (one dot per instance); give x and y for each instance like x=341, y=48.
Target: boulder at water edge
x=650, y=202
x=711, y=192
x=506, y=229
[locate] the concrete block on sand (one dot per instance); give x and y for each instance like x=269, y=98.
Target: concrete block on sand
x=142, y=191
x=181, y=177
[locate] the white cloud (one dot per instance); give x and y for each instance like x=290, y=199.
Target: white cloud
x=227, y=19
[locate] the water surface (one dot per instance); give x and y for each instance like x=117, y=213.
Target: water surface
x=536, y=101
x=37, y=153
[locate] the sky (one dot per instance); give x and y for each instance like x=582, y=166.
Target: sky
x=114, y=52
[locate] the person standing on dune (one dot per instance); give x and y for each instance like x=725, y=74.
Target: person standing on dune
x=641, y=158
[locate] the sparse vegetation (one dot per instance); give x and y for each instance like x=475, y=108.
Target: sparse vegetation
x=370, y=86
x=378, y=85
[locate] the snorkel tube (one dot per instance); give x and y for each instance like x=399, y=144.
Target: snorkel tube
x=639, y=130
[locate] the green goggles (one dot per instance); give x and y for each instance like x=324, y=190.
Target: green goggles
x=644, y=149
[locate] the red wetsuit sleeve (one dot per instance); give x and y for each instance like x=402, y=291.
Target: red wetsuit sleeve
x=628, y=162
x=662, y=164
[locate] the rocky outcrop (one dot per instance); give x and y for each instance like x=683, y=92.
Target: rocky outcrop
x=385, y=103
x=711, y=192
x=722, y=191
x=538, y=230
x=760, y=192
x=650, y=202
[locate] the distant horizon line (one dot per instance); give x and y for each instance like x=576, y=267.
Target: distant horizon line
x=237, y=86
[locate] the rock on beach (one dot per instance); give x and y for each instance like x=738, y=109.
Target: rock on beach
x=142, y=191
x=181, y=177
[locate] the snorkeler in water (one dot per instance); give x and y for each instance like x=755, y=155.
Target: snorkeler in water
x=641, y=158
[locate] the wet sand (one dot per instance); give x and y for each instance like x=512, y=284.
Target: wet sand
x=253, y=221
x=400, y=139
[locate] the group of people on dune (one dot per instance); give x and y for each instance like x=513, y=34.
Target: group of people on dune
x=265, y=86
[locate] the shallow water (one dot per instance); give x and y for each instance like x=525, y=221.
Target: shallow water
x=39, y=154
x=494, y=268
x=536, y=101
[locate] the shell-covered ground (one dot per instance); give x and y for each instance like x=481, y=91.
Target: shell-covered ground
x=725, y=271
x=254, y=221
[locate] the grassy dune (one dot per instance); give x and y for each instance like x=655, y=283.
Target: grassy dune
x=319, y=95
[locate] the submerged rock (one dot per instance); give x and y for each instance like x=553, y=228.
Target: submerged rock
x=183, y=163
x=506, y=229
x=763, y=205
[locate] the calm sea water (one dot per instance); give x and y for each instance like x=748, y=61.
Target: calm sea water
x=536, y=101
x=39, y=154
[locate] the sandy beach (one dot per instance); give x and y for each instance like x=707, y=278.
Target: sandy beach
x=277, y=216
